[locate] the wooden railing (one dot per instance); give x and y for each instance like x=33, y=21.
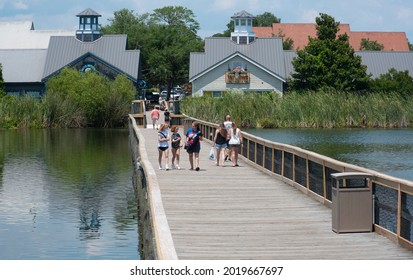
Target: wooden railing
x=311, y=173
x=155, y=238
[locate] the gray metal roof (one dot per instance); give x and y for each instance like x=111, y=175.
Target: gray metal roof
x=23, y=66
x=242, y=14
x=380, y=62
x=88, y=12
x=377, y=62
x=110, y=49
x=266, y=53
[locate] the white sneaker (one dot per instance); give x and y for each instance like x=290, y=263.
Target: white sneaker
x=178, y=167
x=160, y=167
x=166, y=167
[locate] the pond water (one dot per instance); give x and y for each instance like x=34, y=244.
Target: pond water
x=67, y=195
x=389, y=151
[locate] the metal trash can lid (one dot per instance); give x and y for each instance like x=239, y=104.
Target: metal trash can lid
x=350, y=175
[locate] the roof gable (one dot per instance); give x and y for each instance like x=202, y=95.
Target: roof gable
x=110, y=49
x=266, y=53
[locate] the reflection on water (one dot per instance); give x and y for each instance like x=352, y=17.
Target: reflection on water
x=389, y=151
x=66, y=194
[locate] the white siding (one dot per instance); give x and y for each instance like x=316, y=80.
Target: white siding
x=215, y=80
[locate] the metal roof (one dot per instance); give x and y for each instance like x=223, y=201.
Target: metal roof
x=377, y=62
x=266, y=53
x=88, y=12
x=21, y=35
x=110, y=49
x=242, y=14
x=380, y=62
x=23, y=66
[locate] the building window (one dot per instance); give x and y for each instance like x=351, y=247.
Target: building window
x=243, y=22
x=236, y=22
x=243, y=39
x=34, y=93
x=234, y=39
x=217, y=94
x=249, y=22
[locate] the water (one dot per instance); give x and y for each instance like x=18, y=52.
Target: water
x=389, y=151
x=66, y=195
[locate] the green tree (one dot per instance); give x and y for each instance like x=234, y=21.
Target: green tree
x=265, y=19
x=394, y=81
x=175, y=16
x=328, y=61
x=2, y=93
x=410, y=45
x=368, y=45
x=173, y=38
x=165, y=38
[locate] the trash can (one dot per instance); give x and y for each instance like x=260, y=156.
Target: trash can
x=352, y=202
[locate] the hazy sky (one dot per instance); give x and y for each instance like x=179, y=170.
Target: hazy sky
x=213, y=15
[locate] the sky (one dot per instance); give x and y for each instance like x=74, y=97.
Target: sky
x=214, y=15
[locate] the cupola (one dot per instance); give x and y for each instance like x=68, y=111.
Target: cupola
x=89, y=29
x=243, y=28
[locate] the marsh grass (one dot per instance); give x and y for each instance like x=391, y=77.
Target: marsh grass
x=321, y=109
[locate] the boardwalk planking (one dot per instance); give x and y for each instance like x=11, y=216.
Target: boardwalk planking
x=243, y=213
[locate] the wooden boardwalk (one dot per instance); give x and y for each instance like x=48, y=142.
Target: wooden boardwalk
x=243, y=213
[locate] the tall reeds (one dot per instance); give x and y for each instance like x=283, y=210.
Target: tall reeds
x=321, y=109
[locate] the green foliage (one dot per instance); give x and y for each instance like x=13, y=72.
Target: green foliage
x=165, y=38
x=328, y=62
x=394, y=82
x=265, y=19
x=74, y=99
x=310, y=109
x=2, y=93
x=368, y=45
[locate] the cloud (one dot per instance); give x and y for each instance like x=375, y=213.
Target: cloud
x=405, y=14
x=20, y=5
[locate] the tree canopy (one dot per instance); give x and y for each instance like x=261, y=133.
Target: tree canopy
x=368, y=45
x=328, y=61
x=165, y=38
x=394, y=81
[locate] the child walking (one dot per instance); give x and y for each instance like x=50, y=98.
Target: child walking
x=176, y=146
x=163, y=145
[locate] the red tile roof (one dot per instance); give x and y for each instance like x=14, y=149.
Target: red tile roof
x=299, y=32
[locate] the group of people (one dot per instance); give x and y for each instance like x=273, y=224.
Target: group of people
x=227, y=142
x=191, y=143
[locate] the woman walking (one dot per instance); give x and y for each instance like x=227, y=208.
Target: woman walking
x=192, y=140
x=235, y=143
x=163, y=145
x=220, y=143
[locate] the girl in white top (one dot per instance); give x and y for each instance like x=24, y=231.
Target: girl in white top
x=235, y=142
x=163, y=145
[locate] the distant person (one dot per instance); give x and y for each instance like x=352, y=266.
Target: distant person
x=220, y=143
x=167, y=115
x=192, y=139
x=162, y=103
x=163, y=145
x=228, y=126
x=235, y=143
x=155, y=117
x=176, y=147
